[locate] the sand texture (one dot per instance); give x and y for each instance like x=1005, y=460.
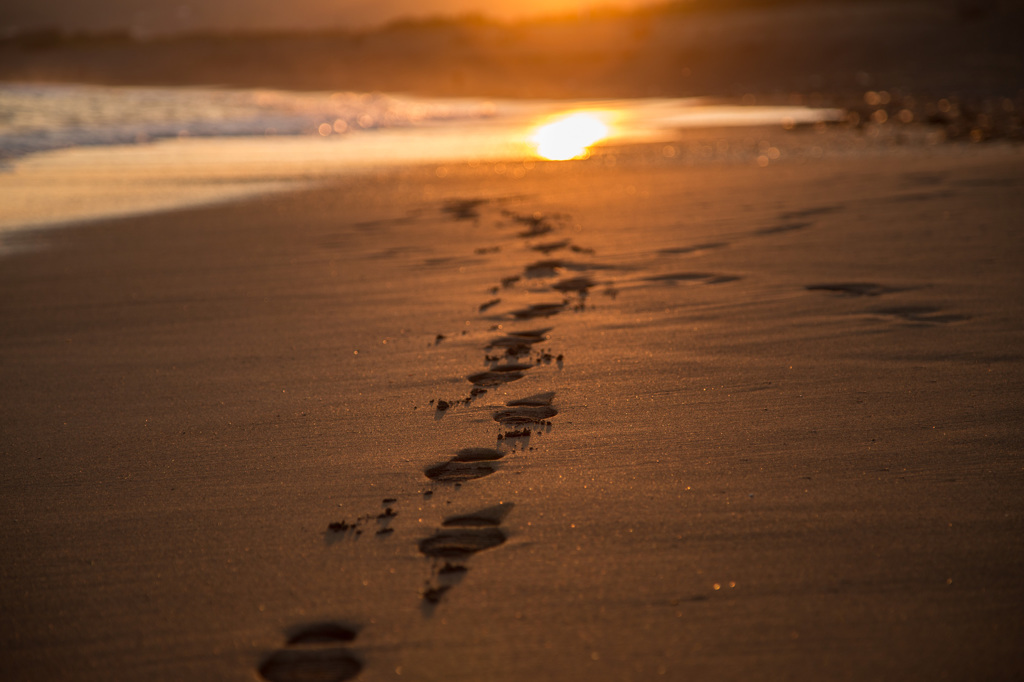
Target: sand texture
x=605, y=421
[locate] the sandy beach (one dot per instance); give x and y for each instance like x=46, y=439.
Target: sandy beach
x=704, y=420
x=738, y=404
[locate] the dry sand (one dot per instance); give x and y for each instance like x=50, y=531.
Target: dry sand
x=787, y=442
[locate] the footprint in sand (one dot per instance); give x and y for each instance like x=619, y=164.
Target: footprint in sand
x=525, y=414
x=552, y=267
x=536, y=225
x=520, y=414
x=701, y=277
x=468, y=464
x=550, y=247
x=498, y=375
x=314, y=653
x=545, y=268
x=460, y=537
x=448, y=261
x=697, y=248
x=464, y=209
x=578, y=285
x=457, y=472
x=673, y=279
x=538, y=310
x=921, y=314
x=461, y=543
x=519, y=343
x=855, y=288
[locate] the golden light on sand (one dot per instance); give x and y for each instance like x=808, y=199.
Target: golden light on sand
x=569, y=137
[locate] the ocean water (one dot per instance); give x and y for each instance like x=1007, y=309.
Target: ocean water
x=35, y=118
x=72, y=153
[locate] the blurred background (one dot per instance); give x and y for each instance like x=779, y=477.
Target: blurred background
x=767, y=49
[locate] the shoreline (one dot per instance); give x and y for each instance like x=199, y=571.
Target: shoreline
x=65, y=188
x=87, y=181
x=785, y=440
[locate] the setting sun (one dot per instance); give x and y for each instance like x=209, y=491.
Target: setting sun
x=569, y=137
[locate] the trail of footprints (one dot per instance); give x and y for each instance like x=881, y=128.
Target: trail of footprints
x=919, y=314
x=913, y=314
x=319, y=652
x=508, y=356
x=314, y=653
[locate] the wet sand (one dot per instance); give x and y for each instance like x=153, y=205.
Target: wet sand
x=773, y=424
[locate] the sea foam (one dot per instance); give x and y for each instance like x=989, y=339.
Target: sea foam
x=36, y=118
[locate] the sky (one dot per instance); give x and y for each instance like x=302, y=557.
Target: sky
x=173, y=16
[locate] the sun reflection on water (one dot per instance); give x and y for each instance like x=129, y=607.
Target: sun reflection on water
x=571, y=136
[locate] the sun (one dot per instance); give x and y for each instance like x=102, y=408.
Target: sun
x=569, y=137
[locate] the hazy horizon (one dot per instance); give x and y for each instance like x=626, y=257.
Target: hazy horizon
x=173, y=16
